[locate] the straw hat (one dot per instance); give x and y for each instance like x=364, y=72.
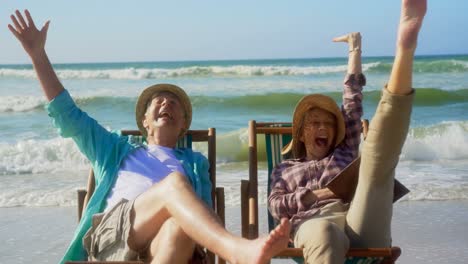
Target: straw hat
x=148, y=94
x=305, y=104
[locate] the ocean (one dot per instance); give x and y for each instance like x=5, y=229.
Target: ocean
x=40, y=169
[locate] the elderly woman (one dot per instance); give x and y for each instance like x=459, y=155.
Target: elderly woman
x=325, y=140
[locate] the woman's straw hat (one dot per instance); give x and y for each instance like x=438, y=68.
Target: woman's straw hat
x=305, y=104
x=150, y=92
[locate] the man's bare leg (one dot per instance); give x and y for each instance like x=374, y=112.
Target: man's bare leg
x=165, y=248
x=174, y=197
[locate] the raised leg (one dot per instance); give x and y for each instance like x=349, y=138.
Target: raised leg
x=369, y=217
x=174, y=198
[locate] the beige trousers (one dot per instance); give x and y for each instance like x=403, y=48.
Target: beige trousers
x=326, y=238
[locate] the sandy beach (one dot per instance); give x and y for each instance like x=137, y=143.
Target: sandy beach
x=234, y=71
x=427, y=232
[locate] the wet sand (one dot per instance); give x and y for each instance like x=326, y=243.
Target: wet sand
x=427, y=232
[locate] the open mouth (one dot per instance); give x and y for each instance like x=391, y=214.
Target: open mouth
x=165, y=115
x=321, y=142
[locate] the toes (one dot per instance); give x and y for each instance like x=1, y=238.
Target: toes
x=275, y=234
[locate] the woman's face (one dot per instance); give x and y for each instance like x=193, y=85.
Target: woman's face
x=318, y=133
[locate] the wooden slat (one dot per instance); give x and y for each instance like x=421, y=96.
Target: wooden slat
x=81, y=197
x=104, y=262
x=269, y=124
x=220, y=204
x=353, y=252
x=211, y=141
x=211, y=256
x=253, y=182
x=220, y=211
x=365, y=127
x=131, y=132
x=210, y=137
x=197, y=135
x=244, y=208
x=274, y=130
x=89, y=188
x=369, y=252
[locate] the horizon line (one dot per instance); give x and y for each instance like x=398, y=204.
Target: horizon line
x=244, y=59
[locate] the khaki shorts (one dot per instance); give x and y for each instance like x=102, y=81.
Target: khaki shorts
x=108, y=236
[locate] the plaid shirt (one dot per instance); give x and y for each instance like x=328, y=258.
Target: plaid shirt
x=293, y=179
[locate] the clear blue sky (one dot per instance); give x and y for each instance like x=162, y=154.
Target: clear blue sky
x=149, y=30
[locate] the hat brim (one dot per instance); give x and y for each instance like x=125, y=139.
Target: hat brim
x=286, y=149
x=148, y=94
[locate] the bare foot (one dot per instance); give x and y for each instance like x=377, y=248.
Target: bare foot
x=412, y=15
x=261, y=250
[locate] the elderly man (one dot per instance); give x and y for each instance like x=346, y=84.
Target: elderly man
x=149, y=200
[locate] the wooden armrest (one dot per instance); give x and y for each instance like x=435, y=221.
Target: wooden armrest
x=245, y=208
x=220, y=204
x=219, y=207
x=81, y=197
x=392, y=252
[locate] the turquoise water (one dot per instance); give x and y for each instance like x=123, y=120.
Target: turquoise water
x=226, y=95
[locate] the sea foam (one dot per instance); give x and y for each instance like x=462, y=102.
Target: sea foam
x=444, y=141
x=33, y=156
x=193, y=71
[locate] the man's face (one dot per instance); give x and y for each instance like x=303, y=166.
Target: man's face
x=164, y=111
x=318, y=133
